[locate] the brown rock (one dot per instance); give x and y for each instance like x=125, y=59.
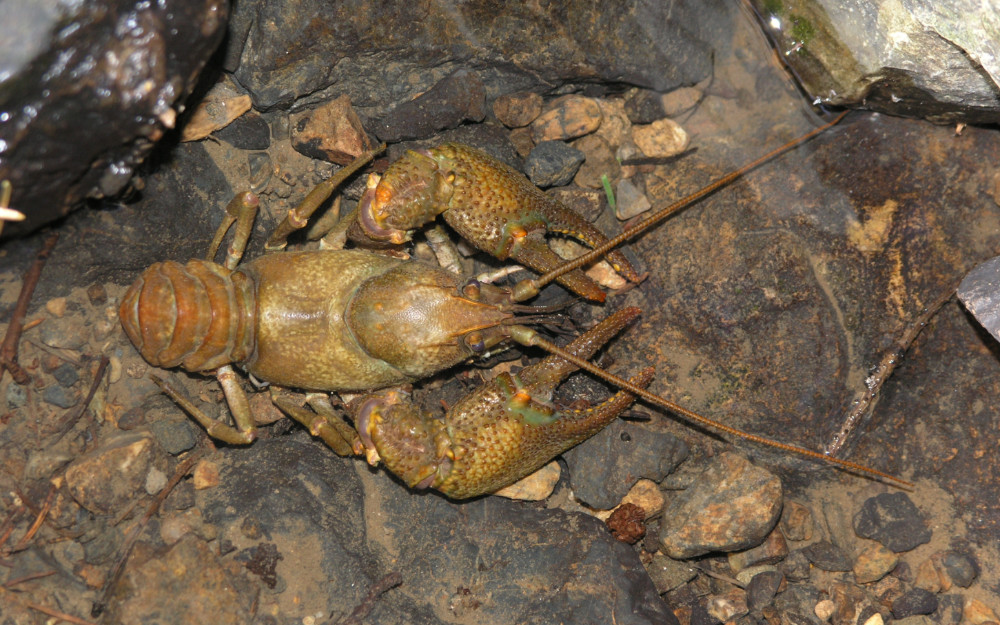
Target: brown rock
x=668, y=573
x=331, y=132
x=516, y=110
x=521, y=139
x=796, y=521
x=976, y=612
x=874, y=563
x=223, y=103
x=728, y=606
x=615, y=124
x=600, y=162
x=205, y=475
x=732, y=506
x=771, y=551
x=661, y=139
x=105, y=480
x=681, y=100
x=534, y=487
x=567, y=118
x=589, y=203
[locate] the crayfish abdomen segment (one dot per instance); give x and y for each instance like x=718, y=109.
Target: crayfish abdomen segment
x=198, y=315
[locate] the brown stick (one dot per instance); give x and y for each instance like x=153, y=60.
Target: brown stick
x=26, y=539
x=28, y=578
x=135, y=532
x=82, y=408
x=367, y=604
x=8, y=349
x=69, y=618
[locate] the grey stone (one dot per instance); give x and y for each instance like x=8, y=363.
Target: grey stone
x=552, y=164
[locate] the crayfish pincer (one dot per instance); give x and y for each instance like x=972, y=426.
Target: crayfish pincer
x=352, y=320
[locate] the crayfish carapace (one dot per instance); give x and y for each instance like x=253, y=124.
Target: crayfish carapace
x=354, y=320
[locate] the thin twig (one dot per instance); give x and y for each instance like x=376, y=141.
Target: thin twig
x=28, y=578
x=367, y=604
x=8, y=349
x=69, y=618
x=888, y=364
x=8, y=525
x=182, y=469
x=26, y=539
x=82, y=408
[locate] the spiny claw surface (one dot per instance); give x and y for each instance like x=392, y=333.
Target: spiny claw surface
x=487, y=203
x=500, y=433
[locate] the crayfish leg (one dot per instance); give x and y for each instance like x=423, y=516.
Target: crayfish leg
x=323, y=424
x=245, y=431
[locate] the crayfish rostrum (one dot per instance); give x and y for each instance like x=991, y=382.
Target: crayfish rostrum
x=358, y=321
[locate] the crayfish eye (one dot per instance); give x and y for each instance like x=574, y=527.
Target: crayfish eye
x=474, y=341
x=471, y=289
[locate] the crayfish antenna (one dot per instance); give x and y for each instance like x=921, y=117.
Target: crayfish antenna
x=530, y=287
x=527, y=336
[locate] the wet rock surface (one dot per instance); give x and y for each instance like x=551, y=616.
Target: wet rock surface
x=766, y=306
x=88, y=88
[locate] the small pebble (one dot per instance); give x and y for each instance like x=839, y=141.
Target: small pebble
x=600, y=162
x=728, y=606
x=796, y=521
x=796, y=567
x=660, y=139
x=66, y=375
x=893, y=520
x=155, y=481
x=588, y=203
x=331, y=132
x=247, y=132
x=668, y=573
x=17, y=395
x=915, y=601
x=644, y=106
x=223, y=103
x=56, y=306
x=762, y=589
x=733, y=505
x=774, y=549
x=205, y=475
x=553, y=164
x=874, y=563
x=615, y=125
x=534, y=487
x=515, y=110
x=824, y=609
x=97, y=294
x=61, y=396
x=960, y=568
x=569, y=117
x=521, y=139
x=827, y=556
x=630, y=200
x=976, y=612
x=875, y=619
x=174, y=437
x=106, y=479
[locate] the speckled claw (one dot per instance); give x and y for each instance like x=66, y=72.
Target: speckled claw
x=499, y=433
x=484, y=201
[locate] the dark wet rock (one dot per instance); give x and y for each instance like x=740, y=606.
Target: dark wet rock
x=604, y=468
x=762, y=589
x=247, y=132
x=330, y=132
x=88, y=89
x=459, y=97
x=668, y=573
x=979, y=292
x=914, y=58
x=64, y=333
x=61, y=396
x=828, y=557
x=66, y=375
x=516, y=110
x=489, y=137
x=732, y=506
x=100, y=548
x=728, y=606
x=188, y=583
x=893, y=520
x=961, y=568
x=795, y=567
x=644, y=106
x=335, y=523
x=104, y=480
x=915, y=601
x=16, y=395
x=174, y=436
x=552, y=164
x=386, y=54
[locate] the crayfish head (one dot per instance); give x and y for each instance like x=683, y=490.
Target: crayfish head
x=414, y=191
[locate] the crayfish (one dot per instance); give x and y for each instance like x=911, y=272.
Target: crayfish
x=351, y=320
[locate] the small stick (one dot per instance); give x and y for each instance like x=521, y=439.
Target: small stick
x=136, y=531
x=26, y=539
x=8, y=525
x=888, y=364
x=367, y=604
x=8, y=349
x=82, y=408
x=28, y=578
x=69, y=618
